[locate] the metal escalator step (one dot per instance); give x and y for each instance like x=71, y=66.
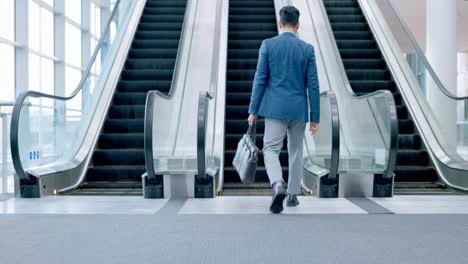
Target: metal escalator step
x=127, y=111
x=121, y=141
x=130, y=98
x=150, y=64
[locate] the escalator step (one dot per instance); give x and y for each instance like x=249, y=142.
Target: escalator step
x=338, y=3
x=153, y=64
x=159, y=35
x=161, y=18
x=249, y=4
x=130, y=98
x=153, y=53
x=167, y=3
x=127, y=111
x=244, y=43
x=409, y=141
x=347, y=18
x=160, y=43
x=350, y=26
x=164, y=10
x=360, y=54
x=122, y=173
x=121, y=141
x=124, y=126
x=147, y=74
x=239, y=86
x=243, y=54
x=356, y=44
x=237, y=64
x=257, y=27
x=412, y=157
x=360, y=35
x=143, y=86
x=405, y=126
x=240, y=74
x=366, y=86
x=411, y=174
x=344, y=11
x=150, y=26
x=253, y=35
x=261, y=18
x=367, y=75
x=368, y=64
x=119, y=157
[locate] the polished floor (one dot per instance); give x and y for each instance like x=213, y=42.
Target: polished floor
x=402, y=229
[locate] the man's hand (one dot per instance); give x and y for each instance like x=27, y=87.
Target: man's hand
x=313, y=127
x=252, y=119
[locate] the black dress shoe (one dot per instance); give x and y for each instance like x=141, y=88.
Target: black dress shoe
x=276, y=205
x=292, y=200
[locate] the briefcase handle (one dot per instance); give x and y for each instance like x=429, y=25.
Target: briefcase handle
x=252, y=132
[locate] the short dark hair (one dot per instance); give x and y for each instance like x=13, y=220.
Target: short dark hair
x=289, y=16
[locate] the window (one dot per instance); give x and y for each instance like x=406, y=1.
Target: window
x=7, y=68
x=73, y=10
x=41, y=29
x=41, y=74
x=95, y=20
x=7, y=19
x=72, y=45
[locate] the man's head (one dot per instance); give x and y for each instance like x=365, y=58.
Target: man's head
x=289, y=18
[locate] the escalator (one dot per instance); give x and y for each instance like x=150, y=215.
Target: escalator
x=250, y=22
x=118, y=161
x=367, y=72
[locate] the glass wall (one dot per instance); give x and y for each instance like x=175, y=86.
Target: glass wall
x=45, y=46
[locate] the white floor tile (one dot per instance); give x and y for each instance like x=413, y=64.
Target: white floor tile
x=425, y=204
x=82, y=205
x=260, y=204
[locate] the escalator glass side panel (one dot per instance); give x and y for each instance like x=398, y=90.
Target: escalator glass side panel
x=49, y=129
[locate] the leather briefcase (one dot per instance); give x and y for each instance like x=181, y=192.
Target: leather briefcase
x=246, y=158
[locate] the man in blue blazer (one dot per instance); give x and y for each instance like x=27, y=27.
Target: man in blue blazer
x=285, y=81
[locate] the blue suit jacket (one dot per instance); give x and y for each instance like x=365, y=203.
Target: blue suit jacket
x=286, y=73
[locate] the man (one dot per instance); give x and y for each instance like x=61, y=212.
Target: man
x=286, y=73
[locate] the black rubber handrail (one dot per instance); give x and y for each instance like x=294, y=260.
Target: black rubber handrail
x=150, y=104
x=392, y=113
x=20, y=101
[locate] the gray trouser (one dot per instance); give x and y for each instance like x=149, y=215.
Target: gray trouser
x=275, y=131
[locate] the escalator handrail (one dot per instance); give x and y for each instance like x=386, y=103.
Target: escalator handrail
x=150, y=103
x=335, y=137
x=392, y=113
x=20, y=101
x=422, y=56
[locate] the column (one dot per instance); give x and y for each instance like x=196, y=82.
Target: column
x=21, y=53
x=442, y=55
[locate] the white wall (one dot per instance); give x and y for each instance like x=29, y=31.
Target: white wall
x=414, y=13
